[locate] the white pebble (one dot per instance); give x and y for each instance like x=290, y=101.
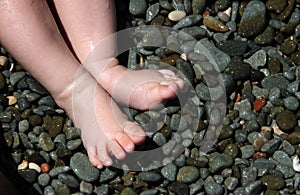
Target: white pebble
x=176, y=15
x=23, y=165
x=296, y=164
x=3, y=60
x=35, y=167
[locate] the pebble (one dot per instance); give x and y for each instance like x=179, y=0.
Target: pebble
x=81, y=166
x=176, y=15
x=214, y=24
x=213, y=188
x=271, y=146
x=69, y=180
x=107, y=175
x=29, y=175
x=149, y=176
x=253, y=19
x=137, y=7
x=169, y=171
x=218, y=162
x=231, y=183
x=188, y=21
x=266, y=37
x=16, y=77
x=44, y=179
x=102, y=190
x=214, y=55
x=254, y=187
x=291, y=103
x=179, y=188
x=3, y=60
x=275, y=81
x=282, y=158
x=198, y=6
x=273, y=182
x=258, y=59
x=35, y=86
x=86, y=187
x=233, y=47
x=238, y=69
x=188, y=174
x=289, y=45
x=286, y=120
x=152, y=12
x=46, y=142
x=247, y=151
x=259, y=104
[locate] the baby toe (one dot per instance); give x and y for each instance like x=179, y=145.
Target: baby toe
x=94, y=160
x=136, y=133
x=117, y=150
x=103, y=156
x=125, y=141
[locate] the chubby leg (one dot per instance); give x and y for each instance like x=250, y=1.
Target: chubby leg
x=88, y=28
x=29, y=32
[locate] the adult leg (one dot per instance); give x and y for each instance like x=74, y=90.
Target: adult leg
x=89, y=24
x=29, y=32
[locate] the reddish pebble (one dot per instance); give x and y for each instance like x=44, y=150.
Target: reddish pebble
x=259, y=103
x=45, y=168
x=259, y=155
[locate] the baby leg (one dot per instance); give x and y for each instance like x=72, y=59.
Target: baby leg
x=29, y=32
x=89, y=25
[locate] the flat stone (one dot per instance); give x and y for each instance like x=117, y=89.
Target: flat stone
x=188, y=174
x=83, y=168
x=273, y=182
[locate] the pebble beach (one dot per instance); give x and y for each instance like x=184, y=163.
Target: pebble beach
x=242, y=62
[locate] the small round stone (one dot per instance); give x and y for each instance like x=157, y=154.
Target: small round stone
x=273, y=182
x=188, y=174
x=176, y=15
x=286, y=120
x=213, y=188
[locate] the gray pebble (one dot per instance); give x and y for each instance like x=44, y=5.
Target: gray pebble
x=44, y=179
x=48, y=190
x=188, y=21
x=231, y=183
x=35, y=86
x=137, y=7
x=214, y=55
x=219, y=162
x=107, y=175
x=247, y=151
x=5, y=117
x=213, y=188
x=69, y=180
x=169, y=171
x=86, y=187
x=58, y=170
x=254, y=187
x=23, y=126
x=260, y=92
x=74, y=144
x=152, y=12
x=271, y=146
x=271, y=82
x=149, y=176
x=102, y=190
x=282, y=158
x=149, y=192
x=82, y=167
x=258, y=59
x=159, y=139
x=291, y=103
x=16, y=76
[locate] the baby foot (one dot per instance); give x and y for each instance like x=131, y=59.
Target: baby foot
x=140, y=89
x=105, y=130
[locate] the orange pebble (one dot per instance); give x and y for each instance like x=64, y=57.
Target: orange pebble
x=259, y=103
x=45, y=167
x=206, y=13
x=238, y=97
x=259, y=155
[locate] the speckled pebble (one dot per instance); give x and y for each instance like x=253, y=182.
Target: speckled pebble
x=188, y=174
x=82, y=167
x=286, y=120
x=213, y=188
x=258, y=59
x=149, y=176
x=253, y=19
x=137, y=7
x=273, y=182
